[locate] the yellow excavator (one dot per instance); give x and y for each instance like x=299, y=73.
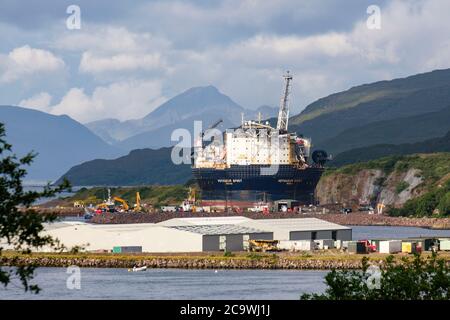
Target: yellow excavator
x=137, y=207
x=123, y=202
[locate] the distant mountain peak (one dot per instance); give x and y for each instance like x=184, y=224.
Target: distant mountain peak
x=209, y=87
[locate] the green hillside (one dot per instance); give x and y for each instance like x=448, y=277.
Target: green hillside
x=139, y=167
x=383, y=150
x=396, y=131
x=395, y=89
x=381, y=112
x=154, y=195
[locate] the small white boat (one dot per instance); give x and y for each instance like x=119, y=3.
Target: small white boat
x=136, y=269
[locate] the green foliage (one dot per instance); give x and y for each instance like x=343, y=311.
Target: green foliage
x=379, y=181
x=432, y=166
x=255, y=256
x=417, y=279
x=441, y=144
x=21, y=226
x=228, y=254
x=437, y=198
x=401, y=186
x=387, y=165
x=156, y=195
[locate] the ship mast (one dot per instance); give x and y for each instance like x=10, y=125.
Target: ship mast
x=283, y=115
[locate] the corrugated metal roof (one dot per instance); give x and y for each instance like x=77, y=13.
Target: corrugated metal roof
x=218, y=229
x=204, y=221
x=296, y=224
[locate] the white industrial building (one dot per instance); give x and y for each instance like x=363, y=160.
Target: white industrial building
x=303, y=229
x=194, y=234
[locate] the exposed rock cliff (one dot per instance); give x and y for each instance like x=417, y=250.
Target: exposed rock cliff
x=393, y=180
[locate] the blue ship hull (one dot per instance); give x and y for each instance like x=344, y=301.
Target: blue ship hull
x=247, y=183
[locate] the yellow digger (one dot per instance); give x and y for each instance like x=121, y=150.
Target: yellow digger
x=255, y=245
x=137, y=207
x=125, y=205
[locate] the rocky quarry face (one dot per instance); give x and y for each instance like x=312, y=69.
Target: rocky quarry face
x=369, y=186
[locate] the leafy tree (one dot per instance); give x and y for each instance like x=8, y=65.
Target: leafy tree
x=20, y=225
x=408, y=279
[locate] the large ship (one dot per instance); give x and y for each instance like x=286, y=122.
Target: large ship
x=258, y=162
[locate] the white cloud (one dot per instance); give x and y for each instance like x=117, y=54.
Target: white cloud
x=413, y=38
x=26, y=61
x=113, y=49
x=122, y=100
x=243, y=48
x=40, y=101
x=91, y=63
x=109, y=39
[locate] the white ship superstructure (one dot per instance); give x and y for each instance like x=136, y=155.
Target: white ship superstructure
x=256, y=143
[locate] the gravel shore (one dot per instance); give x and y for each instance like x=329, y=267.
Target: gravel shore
x=356, y=219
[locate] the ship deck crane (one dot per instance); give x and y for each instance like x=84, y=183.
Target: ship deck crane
x=202, y=134
x=214, y=125
x=283, y=114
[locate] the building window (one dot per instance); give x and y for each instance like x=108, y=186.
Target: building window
x=314, y=235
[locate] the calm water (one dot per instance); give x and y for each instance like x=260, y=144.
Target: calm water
x=43, y=200
x=380, y=232
x=173, y=284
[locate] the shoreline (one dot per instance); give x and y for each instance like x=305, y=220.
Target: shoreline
x=253, y=261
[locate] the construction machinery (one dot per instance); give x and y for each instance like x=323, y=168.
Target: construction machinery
x=78, y=204
x=370, y=247
x=189, y=203
x=263, y=245
x=137, y=206
x=380, y=207
x=125, y=205
x=105, y=207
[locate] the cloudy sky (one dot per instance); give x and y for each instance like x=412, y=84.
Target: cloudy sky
x=129, y=58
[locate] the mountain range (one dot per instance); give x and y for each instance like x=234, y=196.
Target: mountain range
x=147, y=166
x=139, y=167
x=59, y=141
x=402, y=110
x=206, y=104
x=395, y=112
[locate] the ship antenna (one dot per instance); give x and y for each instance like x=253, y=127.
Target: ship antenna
x=283, y=115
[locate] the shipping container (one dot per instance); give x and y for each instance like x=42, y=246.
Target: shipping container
x=296, y=245
x=410, y=247
x=324, y=244
x=127, y=249
x=444, y=245
x=425, y=243
x=390, y=246
x=345, y=244
x=356, y=247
